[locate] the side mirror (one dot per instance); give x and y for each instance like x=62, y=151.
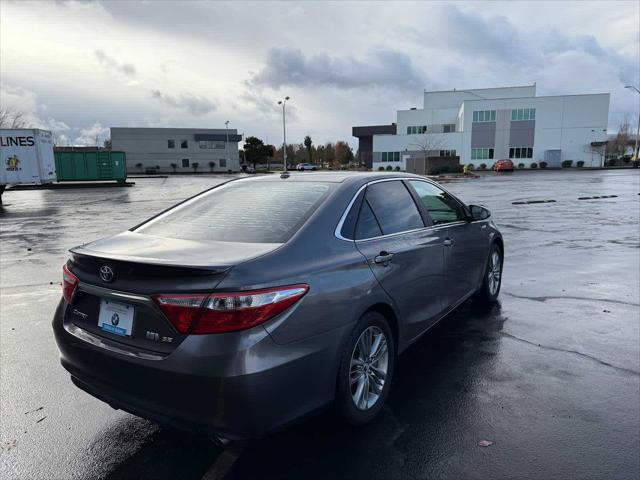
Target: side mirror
x=479, y=213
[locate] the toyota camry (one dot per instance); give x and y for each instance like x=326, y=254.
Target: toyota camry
x=265, y=299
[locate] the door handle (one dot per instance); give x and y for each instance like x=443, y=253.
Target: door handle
x=383, y=258
x=448, y=242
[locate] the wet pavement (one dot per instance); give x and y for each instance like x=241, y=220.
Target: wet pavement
x=551, y=375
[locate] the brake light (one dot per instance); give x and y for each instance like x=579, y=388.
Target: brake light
x=69, y=284
x=227, y=311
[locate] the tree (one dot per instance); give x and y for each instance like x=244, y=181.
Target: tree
x=255, y=151
x=211, y=166
x=309, y=146
x=195, y=166
x=10, y=118
x=618, y=146
x=343, y=153
x=427, y=146
x=174, y=166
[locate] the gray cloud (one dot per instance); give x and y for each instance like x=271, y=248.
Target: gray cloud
x=112, y=64
x=196, y=105
x=380, y=68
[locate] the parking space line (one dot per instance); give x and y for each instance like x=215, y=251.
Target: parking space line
x=224, y=462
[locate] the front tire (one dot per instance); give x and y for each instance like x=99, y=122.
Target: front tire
x=492, y=279
x=366, y=369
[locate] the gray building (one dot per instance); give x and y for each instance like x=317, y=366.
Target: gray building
x=178, y=149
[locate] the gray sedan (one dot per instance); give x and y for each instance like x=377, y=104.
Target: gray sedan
x=265, y=299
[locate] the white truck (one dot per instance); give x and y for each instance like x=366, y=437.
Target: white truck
x=26, y=156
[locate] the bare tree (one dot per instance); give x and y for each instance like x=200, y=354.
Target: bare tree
x=10, y=118
x=426, y=146
x=618, y=146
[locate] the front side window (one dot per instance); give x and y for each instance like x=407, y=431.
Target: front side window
x=241, y=211
x=393, y=207
x=442, y=207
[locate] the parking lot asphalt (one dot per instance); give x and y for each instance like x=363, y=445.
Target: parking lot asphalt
x=550, y=376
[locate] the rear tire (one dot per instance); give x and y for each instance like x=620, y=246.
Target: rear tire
x=492, y=278
x=366, y=369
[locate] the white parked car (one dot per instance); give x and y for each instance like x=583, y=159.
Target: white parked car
x=306, y=166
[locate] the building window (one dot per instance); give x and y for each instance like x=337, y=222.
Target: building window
x=481, y=153
x=520, y=152
x=449, y=128
x=223, y=162
x=447, y=153
x=390, y=156
x=184, y=144
x=523, y=114
x=484, y=116
x=171, y=144
x=413, y=130
x=185, y=163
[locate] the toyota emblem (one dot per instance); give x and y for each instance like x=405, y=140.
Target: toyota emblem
x=106, y=273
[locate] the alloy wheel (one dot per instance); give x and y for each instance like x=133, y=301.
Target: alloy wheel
x=368, y=368
x=495, y=270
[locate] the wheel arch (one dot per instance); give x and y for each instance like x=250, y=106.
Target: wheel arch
x=389, y=313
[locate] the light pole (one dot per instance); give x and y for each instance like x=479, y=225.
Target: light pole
x=284, y=132
x=635, y=148
x=226, y=144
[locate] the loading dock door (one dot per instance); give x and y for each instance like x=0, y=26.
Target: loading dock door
x=553, y=158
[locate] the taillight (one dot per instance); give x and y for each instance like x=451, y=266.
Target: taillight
x=69, y=284
x=227, y=311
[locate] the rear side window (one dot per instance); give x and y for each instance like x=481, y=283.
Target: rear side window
x=442, y=207
x=393, y=207
x=252, y=212
x=368, y=226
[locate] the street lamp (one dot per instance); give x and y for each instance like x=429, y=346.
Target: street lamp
x=635, y=148
x=226, y=144
x=284, y=132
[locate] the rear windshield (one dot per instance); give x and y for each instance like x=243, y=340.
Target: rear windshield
x=252, y=212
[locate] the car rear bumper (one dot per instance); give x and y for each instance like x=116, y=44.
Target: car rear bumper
x=237, y=385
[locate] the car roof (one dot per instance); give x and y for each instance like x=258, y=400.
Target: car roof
x=332, y=177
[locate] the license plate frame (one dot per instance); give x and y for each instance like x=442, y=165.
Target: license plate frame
x=116, y=317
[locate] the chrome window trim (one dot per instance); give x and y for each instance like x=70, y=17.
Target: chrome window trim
x=337, y=231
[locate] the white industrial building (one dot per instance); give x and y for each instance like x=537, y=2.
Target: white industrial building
x=178, y=149
x=481, y=126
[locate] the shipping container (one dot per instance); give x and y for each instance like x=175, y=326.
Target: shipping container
x=78, y=166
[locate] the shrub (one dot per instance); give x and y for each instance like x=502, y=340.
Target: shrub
x=483, y=166
x=471, y=166
x=397, y=169
x=626, y=159
x=533, y=165
x=389, y=168
x=567, y=163
x=521, y=165
x=381, y=168
x=580, y=164
x=612, y=162
x=543, y=164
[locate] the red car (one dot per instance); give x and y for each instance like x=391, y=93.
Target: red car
x=503, y=166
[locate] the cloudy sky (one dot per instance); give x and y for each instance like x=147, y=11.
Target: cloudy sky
x=80, y=67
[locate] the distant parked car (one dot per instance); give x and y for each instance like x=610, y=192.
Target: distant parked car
x=248, y=169
x=306, y=166
x=505, y=165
